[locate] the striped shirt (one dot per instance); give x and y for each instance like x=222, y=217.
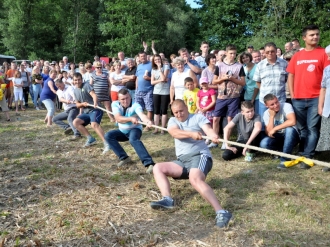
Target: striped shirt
x=272, y=78
x=131, y=111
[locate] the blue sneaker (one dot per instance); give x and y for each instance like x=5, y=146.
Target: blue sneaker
x=222, y=219
x=162, y=204
x=90, y=142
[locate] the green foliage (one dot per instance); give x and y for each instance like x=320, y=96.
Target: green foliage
x=226, y=22
x=128, y=25
x=36, y=29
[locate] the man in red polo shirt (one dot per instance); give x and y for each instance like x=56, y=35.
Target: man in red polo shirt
x=304, y=81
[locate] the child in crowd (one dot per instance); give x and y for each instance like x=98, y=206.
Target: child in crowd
x=249, y=125
x=18, y=90
x=206, y=98
x=66, y=79
x=190, y=95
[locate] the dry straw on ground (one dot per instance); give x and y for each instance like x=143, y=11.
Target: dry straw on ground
x=55, y=193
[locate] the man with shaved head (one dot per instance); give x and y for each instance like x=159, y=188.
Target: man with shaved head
x=194, y=160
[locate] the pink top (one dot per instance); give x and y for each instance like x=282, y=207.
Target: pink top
x=205, y=98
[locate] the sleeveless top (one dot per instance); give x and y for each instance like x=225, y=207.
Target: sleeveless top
x=178, y=82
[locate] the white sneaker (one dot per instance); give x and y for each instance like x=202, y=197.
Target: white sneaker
x=223, y=146
x=106, y=149
x=37, y=108
x=212, y=145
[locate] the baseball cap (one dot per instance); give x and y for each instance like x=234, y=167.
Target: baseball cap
x=204, y=80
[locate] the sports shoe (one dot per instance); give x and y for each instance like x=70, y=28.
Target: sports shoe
x=124, y=162
x=37, y=108
x=326, y=169
x=90, y=142
x=162, y=204
x=223, y=146
x=222, y=219
x=207, y=142
x=212, y=145
x=304, y=166
x=106, y=149
x=68, y=131
x=150, y=168
x=281, y=166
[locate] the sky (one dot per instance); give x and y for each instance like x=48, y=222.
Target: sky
x=192, y=4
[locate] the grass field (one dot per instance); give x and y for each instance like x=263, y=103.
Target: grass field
x=53, y=192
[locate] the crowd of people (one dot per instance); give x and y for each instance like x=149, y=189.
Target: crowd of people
x=275, y=100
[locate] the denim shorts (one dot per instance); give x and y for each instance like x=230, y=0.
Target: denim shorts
x=50, y=106
x=145, y=99
x=227, y=107
x=194, y=160
x=94, y=116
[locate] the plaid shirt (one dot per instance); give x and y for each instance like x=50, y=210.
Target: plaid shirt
x=272, y=77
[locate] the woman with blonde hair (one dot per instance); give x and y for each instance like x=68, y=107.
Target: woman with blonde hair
x=177, y=84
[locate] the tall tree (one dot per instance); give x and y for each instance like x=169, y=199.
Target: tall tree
x=228, y=21
x=127, y=25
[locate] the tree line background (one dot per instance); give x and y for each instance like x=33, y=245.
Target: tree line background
x=80, y=29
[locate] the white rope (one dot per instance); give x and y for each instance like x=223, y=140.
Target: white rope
x=289, y=156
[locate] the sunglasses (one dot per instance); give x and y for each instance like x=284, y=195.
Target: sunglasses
x=99, y=67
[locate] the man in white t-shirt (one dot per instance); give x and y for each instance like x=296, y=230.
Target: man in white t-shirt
x=66, y=96
x=282, y=133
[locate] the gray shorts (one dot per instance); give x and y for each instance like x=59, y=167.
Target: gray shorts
x=194, y=160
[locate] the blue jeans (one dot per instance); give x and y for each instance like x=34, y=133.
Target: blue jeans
x=36, y=93
x=69, y=115
x=115, y=136
x=309, y=123
x=284, y=142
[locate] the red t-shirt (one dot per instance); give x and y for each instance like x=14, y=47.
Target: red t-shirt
x=307, y=67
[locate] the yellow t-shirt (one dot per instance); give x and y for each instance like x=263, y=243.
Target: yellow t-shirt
x=190, y=98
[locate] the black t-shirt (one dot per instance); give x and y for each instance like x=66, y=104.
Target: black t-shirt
x=130, y=84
